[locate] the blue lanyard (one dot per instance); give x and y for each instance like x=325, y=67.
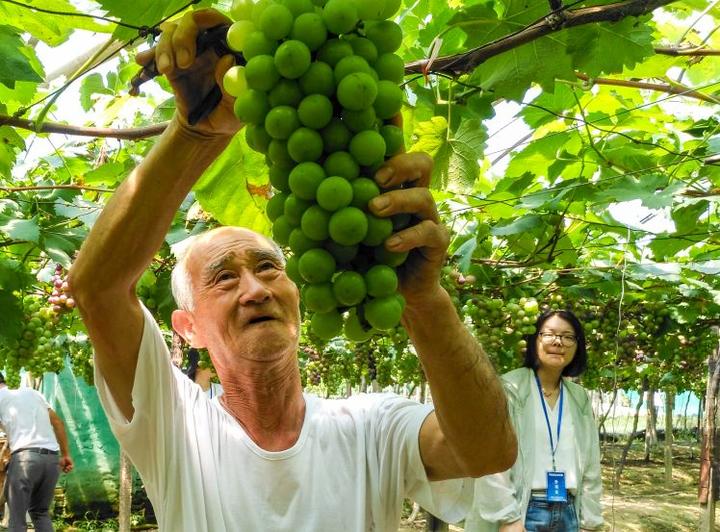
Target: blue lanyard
x=553, y=445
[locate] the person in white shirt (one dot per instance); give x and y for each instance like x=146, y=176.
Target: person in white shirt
x=266, y=456
x=202, y=375
x=39, y=451
x=555, y=484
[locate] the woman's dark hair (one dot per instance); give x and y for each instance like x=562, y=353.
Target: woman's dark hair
x=2, y=378
x=579, y=363
x=192, y=364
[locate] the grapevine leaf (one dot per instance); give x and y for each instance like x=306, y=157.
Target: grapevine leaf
x=225, y=189
x=142, y=13
x=12, y=275
x=12, y=320
x=519, y=225
x=15, y=65
x=92, y=84
x=608, y=47
x=21, y=230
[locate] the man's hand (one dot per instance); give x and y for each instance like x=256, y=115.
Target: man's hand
x=428, y=239
x=191, y=77
x=66, y=464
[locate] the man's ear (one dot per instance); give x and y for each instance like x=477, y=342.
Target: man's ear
x=184, y=325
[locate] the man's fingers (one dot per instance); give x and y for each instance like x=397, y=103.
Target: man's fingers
x=145, y=57
x=209, y=18
x=429, y=236
x=414, y=168
x=184, y=40
x=417, y=201
x=223, y=65
x=164, y=56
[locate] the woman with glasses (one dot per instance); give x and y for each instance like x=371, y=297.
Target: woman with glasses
x=555, y=484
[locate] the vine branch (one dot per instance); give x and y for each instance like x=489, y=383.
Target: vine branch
x=660, y=87
x=56, y=187
x=133, y=133
x=467, y=61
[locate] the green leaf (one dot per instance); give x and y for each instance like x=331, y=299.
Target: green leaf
x=519, y=225
x=21, y=230
x=142, y=13
x=10, y=144
x=232, y=188
x=50, y=28
x=608, y=47
x=510, y=74
x=651, y=189
x=12, y=317
x=108, y=174
x=12, y=275
x=15, y=59
x=92, y=84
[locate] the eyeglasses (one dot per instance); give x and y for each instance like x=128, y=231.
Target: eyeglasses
x=567, y=340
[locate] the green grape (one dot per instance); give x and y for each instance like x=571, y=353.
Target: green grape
x=258, y=44
x=386, y=35
x=309, y=28
x=238, y=33
x=340, y=16
x=241, y=10
x=334, y=193
x=261, y=73
x=285, y=92
x=292, y=59
x=276, y=21
x=305, y=144
x=315, y=111
x=251, y=107
x=341, y=163
x=368, y=148
x=318, y=79
x=234, y=81
x=281, y=121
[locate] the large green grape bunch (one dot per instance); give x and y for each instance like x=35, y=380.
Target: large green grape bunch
x=319, y=94
x=35, y=348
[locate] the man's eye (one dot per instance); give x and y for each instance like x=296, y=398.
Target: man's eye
x=266, y=266
x=224, y=276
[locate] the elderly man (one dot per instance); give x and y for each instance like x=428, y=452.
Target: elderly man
x=39, y=451
x=265, y=456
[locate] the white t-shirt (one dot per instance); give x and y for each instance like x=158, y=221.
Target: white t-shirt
x=24, y=414
x=352, y=466
x=565, y=459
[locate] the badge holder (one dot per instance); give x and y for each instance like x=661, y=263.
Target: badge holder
x=556, y=491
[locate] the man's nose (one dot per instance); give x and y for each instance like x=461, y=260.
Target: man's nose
x=253, y=290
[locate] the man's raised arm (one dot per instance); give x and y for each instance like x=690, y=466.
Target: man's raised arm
x=133, y=225
x=469, y=434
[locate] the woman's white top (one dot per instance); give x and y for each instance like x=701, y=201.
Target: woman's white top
x=565, y=459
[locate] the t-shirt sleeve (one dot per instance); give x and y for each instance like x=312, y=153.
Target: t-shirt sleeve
x=398, y=430
x=41, y=398
x=160, y=397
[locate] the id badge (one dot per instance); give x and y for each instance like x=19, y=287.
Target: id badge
x=556, y=491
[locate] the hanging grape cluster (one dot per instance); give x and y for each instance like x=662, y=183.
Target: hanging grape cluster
x=60, y=298
x=36, y=348
x=318, y=93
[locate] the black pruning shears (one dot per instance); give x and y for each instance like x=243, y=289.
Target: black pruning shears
x=213, y=38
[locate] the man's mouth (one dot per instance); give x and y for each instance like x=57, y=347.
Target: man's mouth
x=260, y=319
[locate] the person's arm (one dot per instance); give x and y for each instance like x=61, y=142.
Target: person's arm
x=469, y=434
x=590, y=506
x=66, y=462
x=133, y=225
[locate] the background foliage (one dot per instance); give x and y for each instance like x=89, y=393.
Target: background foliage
x=608, y=119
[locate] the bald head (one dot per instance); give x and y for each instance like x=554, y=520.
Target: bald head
x=196, y=251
